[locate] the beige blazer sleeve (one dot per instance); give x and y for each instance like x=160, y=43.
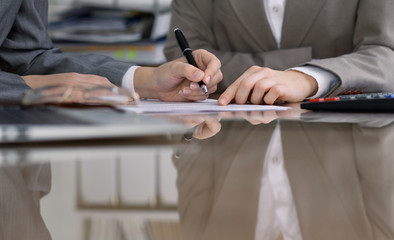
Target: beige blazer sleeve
x=352, y=39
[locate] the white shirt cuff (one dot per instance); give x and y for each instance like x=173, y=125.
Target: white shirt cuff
x=128, y=79
x=325, y=79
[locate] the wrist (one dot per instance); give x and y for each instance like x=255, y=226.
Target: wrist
x=308, y=82
x=143, y=82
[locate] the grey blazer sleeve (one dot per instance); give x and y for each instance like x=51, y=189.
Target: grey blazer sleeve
x=12, y=88
x=26, y=49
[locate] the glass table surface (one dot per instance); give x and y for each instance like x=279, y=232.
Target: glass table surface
x=256, y=175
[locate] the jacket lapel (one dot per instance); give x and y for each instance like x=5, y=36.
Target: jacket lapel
x=298, y=19
x=254, y=20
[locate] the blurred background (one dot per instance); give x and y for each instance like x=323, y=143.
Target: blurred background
x=129, y=30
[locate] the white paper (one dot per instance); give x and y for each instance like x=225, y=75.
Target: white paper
x=209, y=105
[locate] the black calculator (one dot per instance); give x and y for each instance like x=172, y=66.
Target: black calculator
x=366, y=102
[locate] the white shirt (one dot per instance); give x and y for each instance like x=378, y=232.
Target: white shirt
x=128, y=79
x=277, y=212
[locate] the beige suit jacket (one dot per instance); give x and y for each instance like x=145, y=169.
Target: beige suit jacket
x=21, y=188
x=341, y=194
x=353, y=39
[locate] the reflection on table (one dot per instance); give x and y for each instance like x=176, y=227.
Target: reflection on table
x=320, y=176
x=341, y=177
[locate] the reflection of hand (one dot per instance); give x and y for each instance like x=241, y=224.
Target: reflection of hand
x=203, y=127
x=70, y=79
x=177, y=80
x=67, y=88
x=263, y=85
x=209, y=128
x=265, y=117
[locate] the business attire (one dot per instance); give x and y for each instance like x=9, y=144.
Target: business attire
x=26, y=49
x=341, y=194
x=218, y=182
x=21, y=188
x=349, y=190
x=352, y=40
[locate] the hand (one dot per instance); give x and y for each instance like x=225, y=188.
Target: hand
x=69, y=88
x=70, y=79
x=207, y=128
x=200, y=126
x=178, y=80
x=266, y=117
x=262, y=85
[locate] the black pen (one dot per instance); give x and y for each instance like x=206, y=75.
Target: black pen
x=187, y=52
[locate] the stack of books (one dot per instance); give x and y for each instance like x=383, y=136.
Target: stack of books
x=128, y=35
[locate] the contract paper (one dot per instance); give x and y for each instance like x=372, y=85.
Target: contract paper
x=209, y=105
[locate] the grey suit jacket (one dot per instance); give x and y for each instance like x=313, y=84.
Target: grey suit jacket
x=26, y=49
x=353, y=39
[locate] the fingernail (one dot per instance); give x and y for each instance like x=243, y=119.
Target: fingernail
x=222, y=101
x=187, y=91
x=194, y=86
x=208, y=79
x=198, y=74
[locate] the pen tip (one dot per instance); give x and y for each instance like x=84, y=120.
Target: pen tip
x=176, y=29
x=204, y=88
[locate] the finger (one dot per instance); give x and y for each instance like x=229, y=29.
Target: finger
x=209, y=128
x=191, y=94
x=209, y=63
x=183, y=70
x=195, y=98
x=275, y=93
x=246, y=87
x=218, y=77
x=269, y=116
x=196, y=89
x=212, y=89
x=193, y=121
x=86, y=79
x=230, y=93
x=255, y=117
x=260, y=89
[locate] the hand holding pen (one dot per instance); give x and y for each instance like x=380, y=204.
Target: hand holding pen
x=187, y=52
x=177, y=80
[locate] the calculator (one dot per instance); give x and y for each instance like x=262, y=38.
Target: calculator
x=366, y=102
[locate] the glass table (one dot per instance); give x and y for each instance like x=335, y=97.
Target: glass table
x=256, y=175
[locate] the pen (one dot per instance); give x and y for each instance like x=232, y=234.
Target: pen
x=187, y=52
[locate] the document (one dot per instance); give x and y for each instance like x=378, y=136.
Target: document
x=209, y=105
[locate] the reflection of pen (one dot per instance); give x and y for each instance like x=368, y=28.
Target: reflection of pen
x=187, y=52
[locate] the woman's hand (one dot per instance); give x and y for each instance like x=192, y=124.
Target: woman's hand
x=261, y=85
